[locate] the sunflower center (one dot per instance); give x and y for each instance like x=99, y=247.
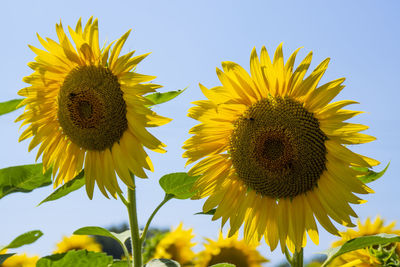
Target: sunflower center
x=91, y=108
x=230, y=255
x=277, y=148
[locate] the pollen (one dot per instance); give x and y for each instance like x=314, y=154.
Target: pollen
x=277, y=148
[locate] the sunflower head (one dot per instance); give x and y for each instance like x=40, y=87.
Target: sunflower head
x=176, y=245
x=229, y=250
x=273, y=153
x=383, y=255
x=77, y=242
x=85, y=108
x=20, y=260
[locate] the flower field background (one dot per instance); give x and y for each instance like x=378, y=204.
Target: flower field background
x=187, y=40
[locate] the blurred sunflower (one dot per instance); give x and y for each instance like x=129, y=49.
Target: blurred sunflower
x=229, y=250
x=273, y=151
x=176, y=245
x=77, y=242
x=85, y=106
x=20, y=260
x=373, y=256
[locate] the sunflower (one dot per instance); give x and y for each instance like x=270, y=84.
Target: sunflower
x=176, y=245
x=20, y=260
x=77, y=242
x=366, y=257
x=85, y=107
x=229, y=250
x=273, y=151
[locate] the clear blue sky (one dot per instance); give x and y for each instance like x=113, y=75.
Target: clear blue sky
x=188, y=40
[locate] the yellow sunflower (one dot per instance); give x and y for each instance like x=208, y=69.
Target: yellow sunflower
x=78, y=242
x=364, y=257
x=20, y=260
x=85, y=107
x=176, y=245
x=273, y=151
x=229, y=250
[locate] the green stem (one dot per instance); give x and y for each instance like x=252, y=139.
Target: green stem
x=134, y=226
x=297, y=259
x=146, y=228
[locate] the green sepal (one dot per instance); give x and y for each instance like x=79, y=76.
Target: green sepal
x=370, y=175
x=76, y=258
x=95, y=230
x=210, y=212
x=359, y=243
x=159, y=98
x=71, y=186
x=162, y=263
x=24, y=239
x=178, y=184
x=3, y=257
x=223, y=265
x=23, y=178
x=9, y=106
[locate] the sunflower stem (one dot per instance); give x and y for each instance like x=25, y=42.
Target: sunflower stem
x=146, y=228
x=134, y=226
x=297, y=259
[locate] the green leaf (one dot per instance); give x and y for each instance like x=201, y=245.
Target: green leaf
x=210, y=212
x=159, y=98
x=76, y=258
x=95, y=230
x=9, y=106
x=178, y=184
x=370, y=175
x=119, y=263
x=162, y=263
x=24, y=239
x=67, y=188
x=3, y=257
x=223, y=265
x=23, y=178
x=358, y=243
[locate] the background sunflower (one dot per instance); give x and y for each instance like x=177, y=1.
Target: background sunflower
x=77, y=242
x=176, y=245
x=229, y=250
x=366, y=257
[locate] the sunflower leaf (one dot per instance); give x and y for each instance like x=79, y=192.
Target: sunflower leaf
x=119, y=263
x=23, y=178
x=162, y=263
x=178, y=184
x=3, y=257
x=71, y=186
x=24, y=239
x=359, y=243
x=76, y=258
x=223, y=265
x=159, y=98
x=9, y=106
x=95, y=230
x=370, y=175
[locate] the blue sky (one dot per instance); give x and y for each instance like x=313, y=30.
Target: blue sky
x=188, y=40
